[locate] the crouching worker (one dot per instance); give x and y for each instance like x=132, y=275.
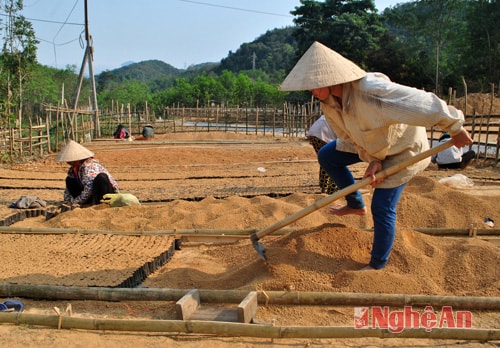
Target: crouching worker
x=453, y=157
x=148, y=132
x=87, y=181
x=121, y=132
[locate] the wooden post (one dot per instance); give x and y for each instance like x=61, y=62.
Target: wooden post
x=498, y=147
x=47, y=121
x=265, y=118
x=473, y=129
x=183, y=115
x=129, y=118
x=247, y=308
x=256, y=119
x=57, y=127
x=30, y=142
x=11, y=141
x=465, y=111
x=164, y=122
x=492, y=100
x=187, y=305
x=217, y=117
x=246, y=120
x=480, y=133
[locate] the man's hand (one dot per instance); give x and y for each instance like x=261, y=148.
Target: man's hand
x=373, y=168
x=461, y=139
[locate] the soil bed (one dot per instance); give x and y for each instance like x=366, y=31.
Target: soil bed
x=236, y=181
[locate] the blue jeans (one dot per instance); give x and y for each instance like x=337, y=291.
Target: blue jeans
x=384, y=202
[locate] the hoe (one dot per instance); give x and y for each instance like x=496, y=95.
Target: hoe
x=256, y=236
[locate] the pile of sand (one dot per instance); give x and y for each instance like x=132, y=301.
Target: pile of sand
x=322, y=254
x=479, y=104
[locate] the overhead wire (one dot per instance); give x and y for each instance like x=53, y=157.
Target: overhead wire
x=66, y=22
x=62, y=26
x=236, y=8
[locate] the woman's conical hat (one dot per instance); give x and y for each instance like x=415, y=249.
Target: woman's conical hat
x=320, y=67
x=73, y=152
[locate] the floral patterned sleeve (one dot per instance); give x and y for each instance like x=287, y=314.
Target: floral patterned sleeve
x=88, y=171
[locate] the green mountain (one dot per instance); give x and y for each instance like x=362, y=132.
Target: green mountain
x=272, y=53
x=145, y=71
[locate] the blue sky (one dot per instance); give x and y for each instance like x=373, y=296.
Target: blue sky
x=178, y=32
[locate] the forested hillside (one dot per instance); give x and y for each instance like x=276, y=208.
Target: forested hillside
x=435, y=45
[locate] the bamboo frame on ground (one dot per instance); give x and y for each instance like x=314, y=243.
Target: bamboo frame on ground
x=229, y=329
x=229, y=232
x=305, y=298
x=231, y=236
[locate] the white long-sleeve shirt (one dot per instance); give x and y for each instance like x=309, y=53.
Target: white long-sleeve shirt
x=383, y=120
x=450, y=155
x=322, y=130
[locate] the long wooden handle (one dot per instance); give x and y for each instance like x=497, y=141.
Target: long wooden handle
x=350, y=189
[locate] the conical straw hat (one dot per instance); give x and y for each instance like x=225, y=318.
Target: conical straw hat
x=320, y=67
x=73, y=152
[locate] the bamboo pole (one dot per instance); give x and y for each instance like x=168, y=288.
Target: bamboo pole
x=230, y=329
x=129, y=120
x=11, y=141
x=256, y=120
x=492, y=100
x=59, y=118
x=498, y=147
x=30, y=142
x=228, y=232
x=305, y=298
x=178, y=232
x=47, y=129
x=345, y=191
x=465, y=112
x=457, y=231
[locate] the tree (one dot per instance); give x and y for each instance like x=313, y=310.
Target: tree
x=440, y=21
x=481, y=59
x=18, y=56
x=208, y=90
x=272, y=53
x=430, y=33
x=133, y=92
x=350, y=27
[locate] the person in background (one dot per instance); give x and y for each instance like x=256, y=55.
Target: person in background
x=148, y=132
x=453, y=157
x=318, y=135
x=376, y=121
x=87, y=180
x=121, y=132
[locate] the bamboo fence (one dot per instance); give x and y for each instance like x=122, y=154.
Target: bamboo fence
x=63, y=123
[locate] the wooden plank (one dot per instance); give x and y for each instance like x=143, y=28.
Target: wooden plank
x=187, y=305
x=212, y=238
x=247, y=309
x=215, y=314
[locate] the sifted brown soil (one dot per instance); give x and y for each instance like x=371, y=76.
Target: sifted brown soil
x=213, y=181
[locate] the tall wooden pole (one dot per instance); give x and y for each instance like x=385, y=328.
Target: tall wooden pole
x=88, y=59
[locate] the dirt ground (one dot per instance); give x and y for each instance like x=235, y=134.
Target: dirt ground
x=221, y=181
